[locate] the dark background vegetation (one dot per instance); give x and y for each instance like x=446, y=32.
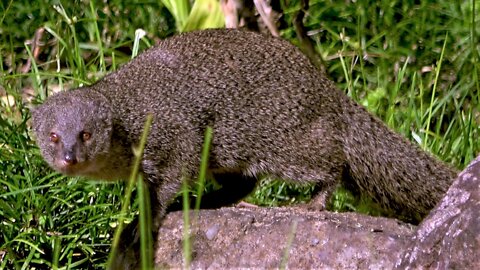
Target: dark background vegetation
x=413, y=63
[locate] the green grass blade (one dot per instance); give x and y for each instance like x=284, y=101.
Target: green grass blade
x=131, y=183
x=187, y=250
x=146, y=244
x=432, y=103
x=203, y=166
x=103, y=66
x=288, y=246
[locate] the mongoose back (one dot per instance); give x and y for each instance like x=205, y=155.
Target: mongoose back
x=271, y=111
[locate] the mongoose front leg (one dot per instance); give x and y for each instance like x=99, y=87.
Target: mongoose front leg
x=234, y=187
x=162, y=189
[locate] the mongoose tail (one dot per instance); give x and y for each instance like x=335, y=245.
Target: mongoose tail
x=395, y=172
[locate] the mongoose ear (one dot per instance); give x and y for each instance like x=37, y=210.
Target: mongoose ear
x=38, y=115
x=34, y=110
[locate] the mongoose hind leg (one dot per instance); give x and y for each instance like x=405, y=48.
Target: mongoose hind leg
x=317, y=157
x=325, y=174
x=323, y=190
x=320, y=198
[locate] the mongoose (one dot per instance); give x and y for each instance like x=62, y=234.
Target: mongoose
x=271, y=111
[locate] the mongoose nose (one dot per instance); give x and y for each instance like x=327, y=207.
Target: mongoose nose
x=69, y=158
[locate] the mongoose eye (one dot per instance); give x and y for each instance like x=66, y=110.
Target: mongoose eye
x=85, y=136
x=54, y=137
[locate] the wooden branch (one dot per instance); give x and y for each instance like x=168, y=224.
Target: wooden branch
x=306, y=44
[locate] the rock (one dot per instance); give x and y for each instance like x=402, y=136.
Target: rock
x=449, y=237
x=272, y=237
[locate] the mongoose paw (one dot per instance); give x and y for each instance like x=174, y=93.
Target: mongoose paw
x=318, y=202
x=244, y=204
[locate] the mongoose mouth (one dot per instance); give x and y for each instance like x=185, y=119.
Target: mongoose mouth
x=69, y=168
x=89, y=168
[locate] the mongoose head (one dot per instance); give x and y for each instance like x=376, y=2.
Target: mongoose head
x=73, y=131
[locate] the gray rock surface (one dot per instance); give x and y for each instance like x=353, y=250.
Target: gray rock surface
x=260, y=237
x=449, y=237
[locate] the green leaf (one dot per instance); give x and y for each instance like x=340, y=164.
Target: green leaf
x=179, y=10
x=205, y=14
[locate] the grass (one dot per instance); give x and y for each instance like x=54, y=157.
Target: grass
x=414, y=64
x=135, y=179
